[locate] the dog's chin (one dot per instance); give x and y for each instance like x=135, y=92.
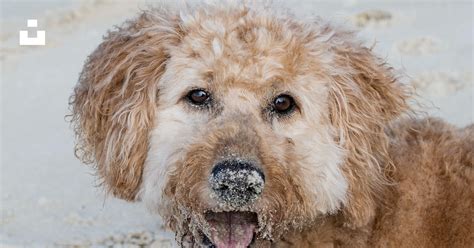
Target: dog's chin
x=231, y=229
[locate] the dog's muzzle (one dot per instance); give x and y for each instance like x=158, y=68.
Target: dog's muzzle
x=236, y=182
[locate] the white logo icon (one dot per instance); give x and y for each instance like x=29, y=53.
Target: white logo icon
x=39, y=40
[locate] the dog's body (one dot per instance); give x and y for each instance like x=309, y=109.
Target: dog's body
x=429, y=203
x=243, y=127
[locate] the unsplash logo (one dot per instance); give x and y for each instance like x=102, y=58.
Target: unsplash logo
x=38, y=40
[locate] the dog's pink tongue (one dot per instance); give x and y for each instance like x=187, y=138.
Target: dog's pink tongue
x=231, y=230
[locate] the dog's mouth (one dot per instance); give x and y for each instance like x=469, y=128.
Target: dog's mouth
x=232, y=229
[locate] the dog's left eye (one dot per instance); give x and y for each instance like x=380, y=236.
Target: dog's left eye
x=198, y=97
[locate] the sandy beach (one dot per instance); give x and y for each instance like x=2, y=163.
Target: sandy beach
x=49, y=199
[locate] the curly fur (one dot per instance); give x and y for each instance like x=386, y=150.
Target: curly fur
x=339, y=169
x=115, y=101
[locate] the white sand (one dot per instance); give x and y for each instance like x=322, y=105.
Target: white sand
x=47, y=196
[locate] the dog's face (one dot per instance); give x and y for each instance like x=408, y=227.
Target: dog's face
x=242, y=127
x=235, y=124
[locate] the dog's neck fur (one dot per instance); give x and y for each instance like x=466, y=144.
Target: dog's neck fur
x=331, y=232
x=338, y=231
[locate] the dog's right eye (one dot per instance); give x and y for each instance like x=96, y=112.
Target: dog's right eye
x=283, y=104
x=198, y=97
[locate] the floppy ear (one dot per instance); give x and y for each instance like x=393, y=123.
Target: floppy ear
x=114, y=102
x=363, y=100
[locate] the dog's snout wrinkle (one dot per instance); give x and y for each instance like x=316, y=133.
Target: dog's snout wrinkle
x=236, y=182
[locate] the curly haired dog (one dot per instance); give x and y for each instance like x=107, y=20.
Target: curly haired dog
x=242, y=126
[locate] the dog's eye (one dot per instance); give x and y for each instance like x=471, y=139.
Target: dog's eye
x=198, y=97
x=283, y=104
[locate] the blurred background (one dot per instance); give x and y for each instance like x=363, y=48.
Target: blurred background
x=49, y=199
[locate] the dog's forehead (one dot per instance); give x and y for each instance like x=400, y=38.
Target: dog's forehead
x=251, y=52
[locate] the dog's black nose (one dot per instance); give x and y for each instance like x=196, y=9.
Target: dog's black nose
x=236, y=182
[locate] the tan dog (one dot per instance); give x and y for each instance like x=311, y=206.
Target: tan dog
x=245, y=127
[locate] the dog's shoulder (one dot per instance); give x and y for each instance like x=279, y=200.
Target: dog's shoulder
x=432, y=141
x=433, y=185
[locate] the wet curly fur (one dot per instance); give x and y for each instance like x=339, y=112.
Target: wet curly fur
x=346, y=169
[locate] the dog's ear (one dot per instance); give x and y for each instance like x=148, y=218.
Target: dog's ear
x=114, y=102
x=364, y=98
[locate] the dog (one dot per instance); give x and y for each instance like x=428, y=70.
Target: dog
x=246, y=127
